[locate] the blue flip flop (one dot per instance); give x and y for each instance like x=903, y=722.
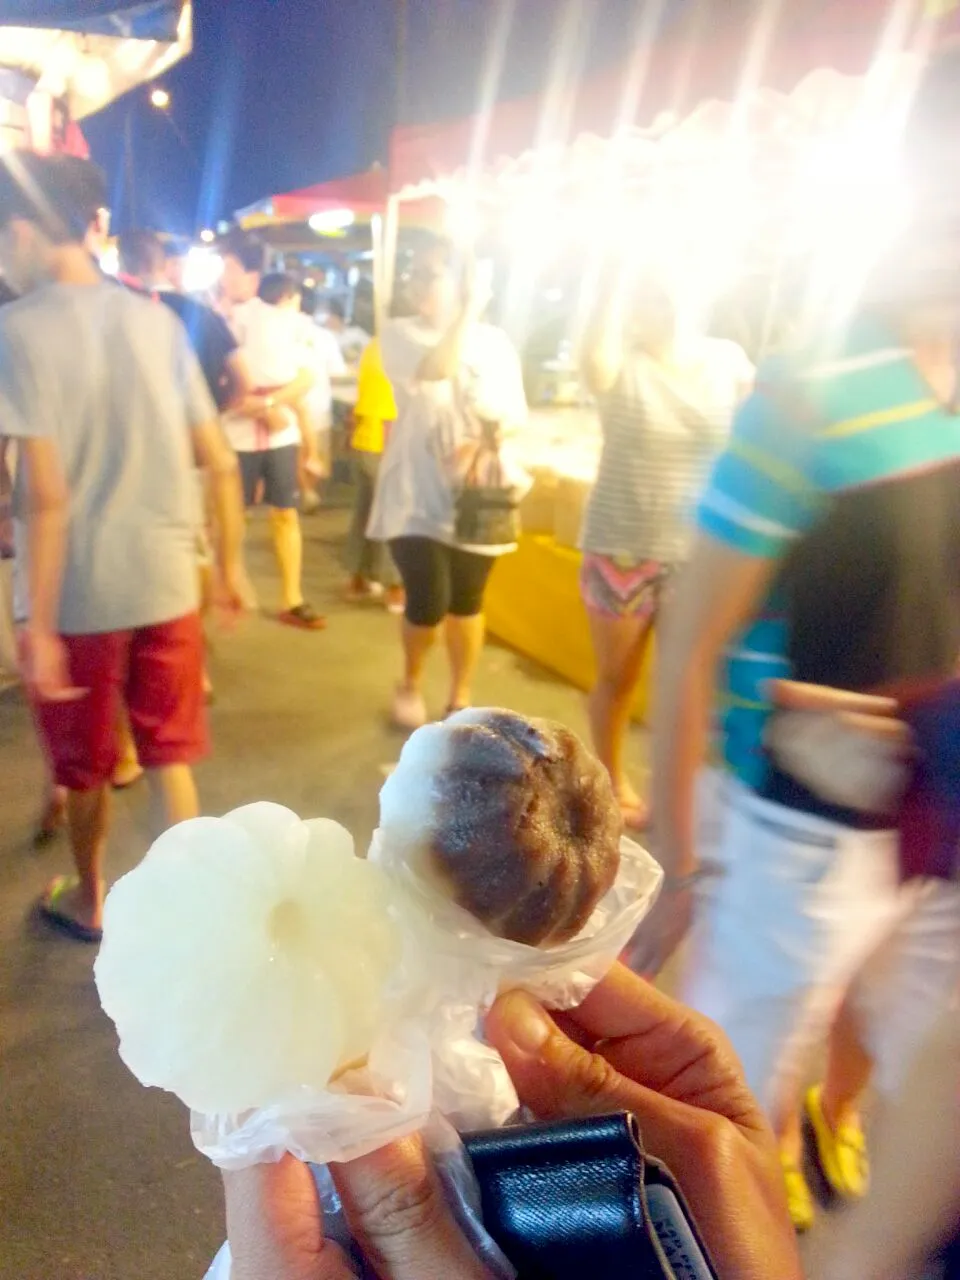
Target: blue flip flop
x=58, y=919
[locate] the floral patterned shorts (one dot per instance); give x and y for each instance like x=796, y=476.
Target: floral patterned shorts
x=615, y=588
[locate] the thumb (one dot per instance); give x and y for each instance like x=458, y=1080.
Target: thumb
x=558, y=1078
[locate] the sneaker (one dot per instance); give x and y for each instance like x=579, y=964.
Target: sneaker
x=305, y=617
x=360, y=590
x=409, y=709
x=842, y=1156
x=799, y=1196
x=395, y=601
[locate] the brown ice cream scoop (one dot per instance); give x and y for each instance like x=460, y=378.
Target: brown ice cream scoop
x=526, y=831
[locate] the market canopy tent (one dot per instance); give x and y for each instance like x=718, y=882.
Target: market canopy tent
x=362, y=195
x=718, y=50
x=86, y=53
x=733, y=141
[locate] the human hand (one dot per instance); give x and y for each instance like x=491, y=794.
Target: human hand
x=476, y=287
x=232, y=595
x=396, y=1210
x=45, y=667
x=848, y=748
x=275, y=418
x=630, y=1048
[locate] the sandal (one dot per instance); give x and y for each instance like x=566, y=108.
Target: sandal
x=59, y=919
x=409, y=711
x=305, y=617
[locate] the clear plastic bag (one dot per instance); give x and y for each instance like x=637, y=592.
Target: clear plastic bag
x=471, y=967
x=460, y=1189
x=435, y=1056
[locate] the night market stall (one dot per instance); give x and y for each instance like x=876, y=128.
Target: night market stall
x=741, y=151
x=63, y=60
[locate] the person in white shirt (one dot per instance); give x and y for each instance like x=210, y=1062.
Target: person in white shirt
x=350, y=338
x=329, y=367
x=264, y=428
x=450, y=374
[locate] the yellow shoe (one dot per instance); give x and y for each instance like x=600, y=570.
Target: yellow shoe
x=799, y=1197
x=842, y=1155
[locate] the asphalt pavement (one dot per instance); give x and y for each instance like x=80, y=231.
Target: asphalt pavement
x=98, y=1176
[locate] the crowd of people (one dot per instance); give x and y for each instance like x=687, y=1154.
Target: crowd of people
x=816, y=590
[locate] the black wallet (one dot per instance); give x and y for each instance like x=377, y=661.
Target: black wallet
x=569, y=1200
x=580, y=1198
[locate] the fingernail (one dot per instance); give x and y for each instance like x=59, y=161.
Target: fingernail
x=525, y=1022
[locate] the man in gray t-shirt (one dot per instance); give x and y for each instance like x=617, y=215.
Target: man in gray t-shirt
x=110, y=410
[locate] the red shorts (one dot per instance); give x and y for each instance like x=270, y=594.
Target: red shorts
x=157, y=674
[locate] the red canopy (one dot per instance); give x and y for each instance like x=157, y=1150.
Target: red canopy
x=364, y=194
x=720, y=47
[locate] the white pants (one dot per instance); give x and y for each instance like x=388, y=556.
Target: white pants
x=803, y=908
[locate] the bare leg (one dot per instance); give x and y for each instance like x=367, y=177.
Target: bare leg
x=54, y=815
x=127, y=770
x=464, y=645
x=619, y=645
x=173, y=796
x=915, y=1191
x=789, y=1132
x=88, y=819
x=417, y=643
x=848, y=1069
x=288, y=545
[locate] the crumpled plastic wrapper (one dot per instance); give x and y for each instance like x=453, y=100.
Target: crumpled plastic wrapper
x=471, y=967
x=428, y=1054
x=435, y=1058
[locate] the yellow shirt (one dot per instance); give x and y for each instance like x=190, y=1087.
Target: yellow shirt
x=375, y=403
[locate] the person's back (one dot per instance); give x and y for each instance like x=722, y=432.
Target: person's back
x=121, y=395
x=108, y=407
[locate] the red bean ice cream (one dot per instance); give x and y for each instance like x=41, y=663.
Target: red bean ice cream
x=512, y=817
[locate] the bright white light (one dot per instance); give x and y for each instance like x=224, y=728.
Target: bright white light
x=160, y=99
x=331, y=221
x=553, y=295
x=309, y=283
x=353, y=277
x=202, y=269
x=462, y=220
x=207, y=236
x=110, y=260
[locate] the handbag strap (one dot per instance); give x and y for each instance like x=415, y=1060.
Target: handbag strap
x=488, y=443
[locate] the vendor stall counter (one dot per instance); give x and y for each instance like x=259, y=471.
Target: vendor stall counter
x=533, y=601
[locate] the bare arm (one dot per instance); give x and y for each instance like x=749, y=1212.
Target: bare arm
x=442, y=361
x=715, y=595
x=46, y=520
x=214, y=455
x=239, y=381
x=254, y=405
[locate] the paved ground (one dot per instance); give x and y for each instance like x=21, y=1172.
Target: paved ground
x=98, y=1178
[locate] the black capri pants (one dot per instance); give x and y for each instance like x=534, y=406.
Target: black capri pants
x=440, y=580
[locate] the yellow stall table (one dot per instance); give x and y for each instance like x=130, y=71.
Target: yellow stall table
x=533, y=605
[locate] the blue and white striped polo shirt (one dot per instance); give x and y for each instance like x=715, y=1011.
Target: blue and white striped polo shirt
x=846, y=470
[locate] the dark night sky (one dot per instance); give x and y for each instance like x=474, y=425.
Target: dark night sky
x=282, y=93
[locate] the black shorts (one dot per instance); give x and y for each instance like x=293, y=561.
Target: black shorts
x=277, y=470
x=440, y=580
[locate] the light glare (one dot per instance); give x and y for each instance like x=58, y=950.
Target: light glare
x=331, y=221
